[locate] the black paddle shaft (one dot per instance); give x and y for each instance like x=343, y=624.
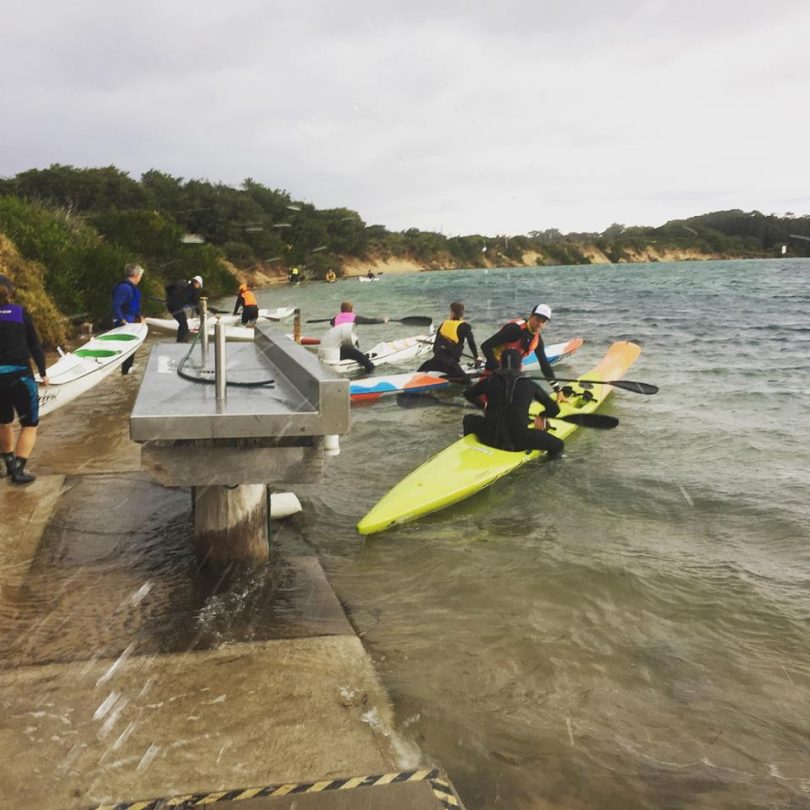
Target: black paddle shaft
x=627, y=385
x=408, y=320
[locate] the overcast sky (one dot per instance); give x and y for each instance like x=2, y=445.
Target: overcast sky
x=461, y=117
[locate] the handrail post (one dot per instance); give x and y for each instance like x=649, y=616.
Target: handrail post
x=297, y=325
x=204, y=331
x=220, y=377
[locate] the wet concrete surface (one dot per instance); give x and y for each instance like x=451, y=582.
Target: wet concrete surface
x=126, y=671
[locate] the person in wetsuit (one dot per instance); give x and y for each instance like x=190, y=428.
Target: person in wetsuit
x=340, y=342
x=183, y=297
x=126, y=304
x=524, y=336
x=449, y=345
x=18, y=388
x=247, y=301
x=505, y=423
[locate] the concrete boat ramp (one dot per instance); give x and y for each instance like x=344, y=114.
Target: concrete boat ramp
x=116, y=689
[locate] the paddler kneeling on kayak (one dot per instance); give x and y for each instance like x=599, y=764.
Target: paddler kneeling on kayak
x=505, y=423
x=448, y=346
x=524, y=336
x=340, y=342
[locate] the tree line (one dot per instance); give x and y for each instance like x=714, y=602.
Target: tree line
x=81, y=225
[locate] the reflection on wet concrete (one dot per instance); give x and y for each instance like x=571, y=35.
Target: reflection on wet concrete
x=127, y=671
x=116, y=567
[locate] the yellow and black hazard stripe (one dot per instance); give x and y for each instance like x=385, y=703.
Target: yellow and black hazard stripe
x=439, y=783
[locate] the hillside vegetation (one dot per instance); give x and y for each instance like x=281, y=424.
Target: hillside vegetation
x=69, y=232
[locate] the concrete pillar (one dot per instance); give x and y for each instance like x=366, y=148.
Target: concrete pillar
x=230, y=524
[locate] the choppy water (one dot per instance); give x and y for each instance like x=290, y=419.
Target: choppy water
x=629, y=627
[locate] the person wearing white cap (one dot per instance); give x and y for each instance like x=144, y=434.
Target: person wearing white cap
x=524, y=336
x=183, y=297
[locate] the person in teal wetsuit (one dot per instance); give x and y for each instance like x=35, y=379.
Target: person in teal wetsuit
x=18, y=388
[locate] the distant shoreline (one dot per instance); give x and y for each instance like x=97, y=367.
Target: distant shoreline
x=397, y=265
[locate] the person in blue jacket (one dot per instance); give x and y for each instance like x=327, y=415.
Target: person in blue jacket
x=18, y=388
x=126, y=304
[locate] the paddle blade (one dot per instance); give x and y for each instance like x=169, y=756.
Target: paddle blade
x=416, y=320
x=406, y=400
x=636, y=387
x=600, y=421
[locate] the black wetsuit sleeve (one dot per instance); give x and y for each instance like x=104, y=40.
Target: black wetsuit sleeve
x=550, y=407
x=194, y=299
x=507, y=334
x=34, y=346
x=361, y=319
x=545, y=366
x=475, y=391
x=465, y=331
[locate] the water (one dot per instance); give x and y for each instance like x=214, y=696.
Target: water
x=624, y=628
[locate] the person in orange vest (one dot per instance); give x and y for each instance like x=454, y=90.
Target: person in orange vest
x=524, y=336
x=246, y=300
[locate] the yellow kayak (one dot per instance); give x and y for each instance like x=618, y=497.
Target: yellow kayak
x=467, y=466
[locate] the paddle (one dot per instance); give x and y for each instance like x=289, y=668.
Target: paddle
x=410, y=320
x=600, y=421
x=627, y=385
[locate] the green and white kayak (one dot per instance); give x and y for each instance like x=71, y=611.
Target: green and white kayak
x=77, y=372
x=467, y=466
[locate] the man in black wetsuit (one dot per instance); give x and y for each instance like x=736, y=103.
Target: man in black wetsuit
x=505, y=423
x=449, y=345
x=18, y=388
x=182, y=297
x=525, y=336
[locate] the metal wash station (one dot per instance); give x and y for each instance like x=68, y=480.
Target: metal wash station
x=233, y=422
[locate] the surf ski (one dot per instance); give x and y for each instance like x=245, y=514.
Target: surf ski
x=370, y=389
x=467, y=466
x=76, y=372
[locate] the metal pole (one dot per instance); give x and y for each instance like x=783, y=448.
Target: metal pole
x=220, y=382
x=297, y=325
x=204, y=331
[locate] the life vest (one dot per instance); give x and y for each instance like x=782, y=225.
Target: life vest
x=447, y=340
x=330, y=275
x=12, y=313
x=344, y=317
x=525, y=344
x=249, y=298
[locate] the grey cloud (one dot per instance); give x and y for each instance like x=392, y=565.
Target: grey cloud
x=495, y=118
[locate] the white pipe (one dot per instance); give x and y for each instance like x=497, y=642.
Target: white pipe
x=284, y=504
